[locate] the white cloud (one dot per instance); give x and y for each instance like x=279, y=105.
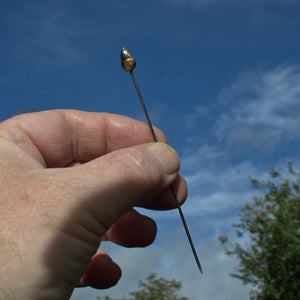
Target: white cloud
x=260, y=110
x=276, y=98
x=265, y=139
x=263, y=108
x=216, y=187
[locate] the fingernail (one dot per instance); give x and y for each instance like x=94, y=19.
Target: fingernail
x=166, y=156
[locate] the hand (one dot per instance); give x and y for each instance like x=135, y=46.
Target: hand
x=68, y=180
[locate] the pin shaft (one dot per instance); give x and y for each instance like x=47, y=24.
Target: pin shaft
x=186, y=229
x=144, y=106
x=172, y=187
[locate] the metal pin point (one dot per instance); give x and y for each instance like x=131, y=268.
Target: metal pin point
x=128, y=64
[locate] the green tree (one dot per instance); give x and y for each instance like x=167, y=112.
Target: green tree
x=270, y=259
x=154, y=289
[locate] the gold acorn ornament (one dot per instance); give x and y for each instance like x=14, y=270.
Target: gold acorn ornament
x=127, y=61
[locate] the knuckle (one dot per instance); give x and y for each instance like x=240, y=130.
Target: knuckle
x=136, y=167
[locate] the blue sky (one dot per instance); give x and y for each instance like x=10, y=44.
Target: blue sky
x=221, y=78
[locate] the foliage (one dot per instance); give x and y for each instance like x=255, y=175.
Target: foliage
x=270, y=260
x=154, y=289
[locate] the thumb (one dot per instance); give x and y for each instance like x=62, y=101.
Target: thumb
x=111, y=185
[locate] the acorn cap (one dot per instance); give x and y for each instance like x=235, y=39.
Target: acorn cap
x=127, y=61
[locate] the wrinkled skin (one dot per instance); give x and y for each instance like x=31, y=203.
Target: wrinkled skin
x=68, y=180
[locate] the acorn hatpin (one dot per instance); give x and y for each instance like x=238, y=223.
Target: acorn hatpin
x=128, y=64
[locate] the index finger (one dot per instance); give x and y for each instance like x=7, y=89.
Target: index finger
x=59, y=137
